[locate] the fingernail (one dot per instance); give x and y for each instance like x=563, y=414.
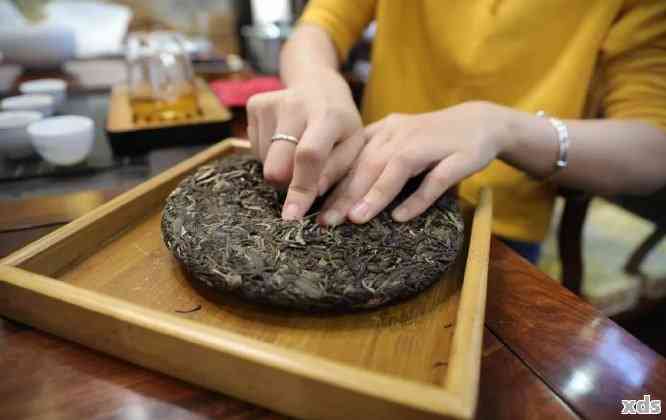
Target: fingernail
x=290, y=212
x=400, y=214
x=323, y=186
x=359, y=211
x=333, y=218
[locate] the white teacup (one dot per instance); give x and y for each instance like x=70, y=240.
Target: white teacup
x=65, y=140
x=40, y=103
x=14, y=139
x=54, y=87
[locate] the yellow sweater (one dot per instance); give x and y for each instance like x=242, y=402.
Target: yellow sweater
x=527, y=54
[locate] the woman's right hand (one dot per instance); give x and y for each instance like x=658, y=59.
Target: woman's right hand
x=321, y=114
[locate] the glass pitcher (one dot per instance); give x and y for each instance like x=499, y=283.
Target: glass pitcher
x=160, y=77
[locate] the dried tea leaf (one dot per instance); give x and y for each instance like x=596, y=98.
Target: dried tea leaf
x=223, y=224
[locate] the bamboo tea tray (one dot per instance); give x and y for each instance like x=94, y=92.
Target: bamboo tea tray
x=107, y=281
x=129, y=136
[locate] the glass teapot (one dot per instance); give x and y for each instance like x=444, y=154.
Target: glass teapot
x=160, y=77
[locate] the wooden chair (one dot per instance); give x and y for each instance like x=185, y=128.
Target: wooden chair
x=652, y=208
x=570, y=238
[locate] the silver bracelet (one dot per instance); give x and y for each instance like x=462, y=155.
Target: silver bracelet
x=562, y=140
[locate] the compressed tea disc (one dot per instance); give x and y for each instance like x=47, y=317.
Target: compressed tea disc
x=223, y=224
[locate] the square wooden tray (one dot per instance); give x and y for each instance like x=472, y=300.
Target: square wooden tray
x=128, y=137
x=107, y=281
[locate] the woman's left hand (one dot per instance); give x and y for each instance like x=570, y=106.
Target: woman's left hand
x=451, y=144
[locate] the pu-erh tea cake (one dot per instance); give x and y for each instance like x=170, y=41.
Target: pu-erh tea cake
x=223, y=224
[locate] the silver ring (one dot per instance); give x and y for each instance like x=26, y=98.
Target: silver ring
x=284, y=137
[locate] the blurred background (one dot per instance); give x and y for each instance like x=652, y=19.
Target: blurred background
x=155, y=81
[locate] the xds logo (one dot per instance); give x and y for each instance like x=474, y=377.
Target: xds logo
x=644, y=406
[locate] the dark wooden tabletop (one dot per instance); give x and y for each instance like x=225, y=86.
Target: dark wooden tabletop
x=546, y=353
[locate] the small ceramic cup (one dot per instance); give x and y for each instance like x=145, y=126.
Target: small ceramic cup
x=54, y=87
x=65, y=140
x=14, y=139
x=40, y=103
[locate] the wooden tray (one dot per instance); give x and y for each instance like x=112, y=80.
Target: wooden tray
x=128, y=137
x=107, y=281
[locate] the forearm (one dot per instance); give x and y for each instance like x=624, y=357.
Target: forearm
x=309, y=52
x=605, y=156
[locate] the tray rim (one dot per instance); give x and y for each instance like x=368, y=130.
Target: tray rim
x=20, y=288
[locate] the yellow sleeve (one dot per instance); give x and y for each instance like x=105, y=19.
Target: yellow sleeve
x=343, y=20
x=634, y=63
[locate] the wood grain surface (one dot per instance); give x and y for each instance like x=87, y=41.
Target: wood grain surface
x=138, y=268
x=49, y=378
x=510, y=390
x=13, y=240
x=583, y=356
x=521, y=377
x=538, y=337
x=118, y=289
x=50, y=210
x=45, y=377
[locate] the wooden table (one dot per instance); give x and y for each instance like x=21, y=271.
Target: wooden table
x=546, y=352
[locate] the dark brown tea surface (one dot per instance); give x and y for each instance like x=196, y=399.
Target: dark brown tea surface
x=223, y=224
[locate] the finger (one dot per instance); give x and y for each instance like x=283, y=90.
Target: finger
x=373, y=129
x=265, y=129
x=446, y=174
x=309, y=158
x=262, y=110
x=384, y=190
x=356, y=184
x=332, y=213
x=340, y=162
x=252, y=135
x=252, y=129
x=279, y=164
x=386, y=123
